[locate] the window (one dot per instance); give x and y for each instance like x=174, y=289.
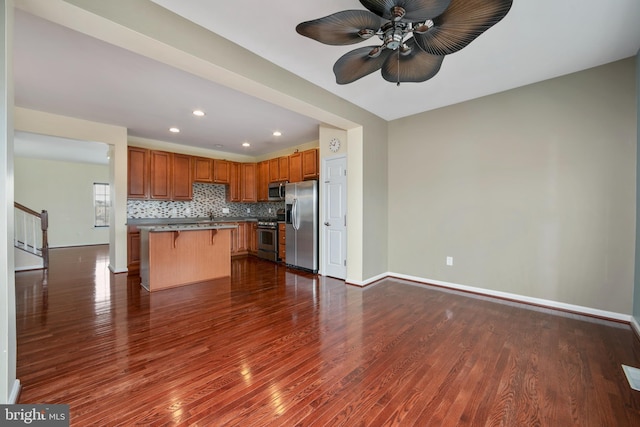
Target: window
x=101, y=203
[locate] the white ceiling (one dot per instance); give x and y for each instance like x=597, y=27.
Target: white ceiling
x=61, y=71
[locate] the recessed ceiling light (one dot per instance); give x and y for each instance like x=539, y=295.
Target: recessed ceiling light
x=277, y=133
x=174, y=130
x=218, y=145
x=198, y=113
x=246, y=144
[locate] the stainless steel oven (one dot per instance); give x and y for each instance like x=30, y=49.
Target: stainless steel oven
x=268, y=240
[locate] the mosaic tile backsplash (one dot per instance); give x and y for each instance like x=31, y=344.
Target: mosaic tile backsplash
x=207, y=199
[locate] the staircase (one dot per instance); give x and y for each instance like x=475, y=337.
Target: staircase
x=30, y=238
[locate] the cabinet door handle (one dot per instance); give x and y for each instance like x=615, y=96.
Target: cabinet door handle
x=327, y=224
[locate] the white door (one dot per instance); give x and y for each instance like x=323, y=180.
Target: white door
x=335, y=217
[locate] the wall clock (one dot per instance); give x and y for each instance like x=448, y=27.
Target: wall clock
x=334, y=144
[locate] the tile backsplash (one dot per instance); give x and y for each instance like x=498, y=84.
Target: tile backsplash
x=207, y=198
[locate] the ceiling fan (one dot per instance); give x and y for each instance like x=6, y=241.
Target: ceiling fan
x=415, y=35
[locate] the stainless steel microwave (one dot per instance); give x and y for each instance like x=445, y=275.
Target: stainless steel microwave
x=276, y=191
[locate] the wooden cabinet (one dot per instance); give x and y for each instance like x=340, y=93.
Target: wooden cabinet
x=252, y=237
x=282, y=241
x=295, y=167
x=279, y=169
x=235, y=182
x=181, y=177
x=262, y=185
x=248, y=182
x=239, y=236
x=310, y=164
x=283, y=168
x=133, y=250
x=221, y=171
x=274, y=170
x=160, y=175
x=138, y=173
x=202, y=169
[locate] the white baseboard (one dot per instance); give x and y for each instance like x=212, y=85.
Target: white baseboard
x=15, y=392
x=593, y=312
x=117, y=271
x=368, y=281
x=635, y=326
x=29, y=267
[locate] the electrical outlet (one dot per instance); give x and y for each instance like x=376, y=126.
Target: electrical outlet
x=449, y=260
x=269, y=210
x=225, y=210
x=248, y=210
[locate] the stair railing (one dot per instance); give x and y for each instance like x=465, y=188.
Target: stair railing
x=30, y=232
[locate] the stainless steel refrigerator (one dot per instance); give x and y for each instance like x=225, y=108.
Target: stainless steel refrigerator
x=301, y=217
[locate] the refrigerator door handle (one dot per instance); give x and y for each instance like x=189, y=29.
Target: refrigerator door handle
x=295, y=221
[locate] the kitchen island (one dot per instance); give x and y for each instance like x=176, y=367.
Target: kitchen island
x=181, y=254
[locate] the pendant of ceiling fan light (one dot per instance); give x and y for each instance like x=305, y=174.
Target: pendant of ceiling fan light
x=423, y=28
x=366, y=33
x=397, y=13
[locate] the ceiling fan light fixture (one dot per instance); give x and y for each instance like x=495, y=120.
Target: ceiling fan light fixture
x=375, y=52
x=405, y=50
x=423, y=28
x=397, y=13
x=366, y=33
x=436, y=27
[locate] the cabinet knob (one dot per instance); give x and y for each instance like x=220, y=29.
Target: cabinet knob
x=327, y=224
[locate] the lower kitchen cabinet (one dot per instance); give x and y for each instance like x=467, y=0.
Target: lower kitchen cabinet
x=133, y=250
x=252, y=237
x=282, y=241
x=240, y=238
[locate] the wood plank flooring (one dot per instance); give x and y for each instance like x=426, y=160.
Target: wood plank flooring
x=274, y=347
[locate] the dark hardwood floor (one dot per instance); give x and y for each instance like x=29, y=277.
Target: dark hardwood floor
x=272, y=346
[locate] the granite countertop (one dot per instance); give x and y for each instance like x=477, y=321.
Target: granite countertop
x=188, y=227
x=186, y=221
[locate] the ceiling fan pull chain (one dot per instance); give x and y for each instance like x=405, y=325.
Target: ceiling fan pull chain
x=398, y=83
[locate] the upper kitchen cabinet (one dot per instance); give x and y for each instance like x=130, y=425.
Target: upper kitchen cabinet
x=295, y=167
x=160, y=176
x=181, y=177
x=221, y=171
x=138, y=173
x=248, y=182
x=202, y=169
x=310, y=166
x=283, y=168
x=235, y=182
x=263, y=181
x=279, y=169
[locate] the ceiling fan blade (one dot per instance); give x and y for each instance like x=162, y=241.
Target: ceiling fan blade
x=417, y=66
x=357, y=64
x=416, y=10
x=340, y=28
x=461, y=24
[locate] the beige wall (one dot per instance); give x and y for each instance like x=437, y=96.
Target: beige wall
x=65, y=190
x=531, y=191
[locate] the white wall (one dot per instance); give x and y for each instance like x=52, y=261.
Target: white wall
x=65, y=190
x=531, y=191
x=9, y=384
